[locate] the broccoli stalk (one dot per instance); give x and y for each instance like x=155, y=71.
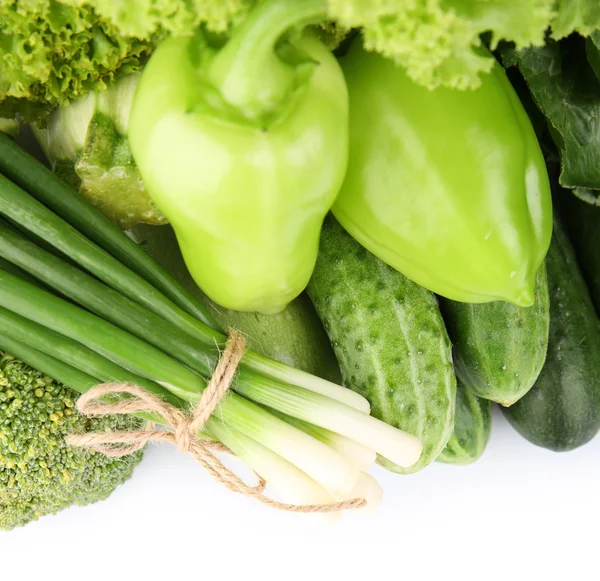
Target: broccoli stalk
x=39, y=473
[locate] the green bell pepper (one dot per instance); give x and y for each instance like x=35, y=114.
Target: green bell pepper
x=243, y=146
x=448, y=187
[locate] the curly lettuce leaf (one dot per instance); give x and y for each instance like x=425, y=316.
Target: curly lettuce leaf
x=145, y=18
x=567, y=91
x=51, y=52
x=438, y=41
x=582, y=16
x=55, y=51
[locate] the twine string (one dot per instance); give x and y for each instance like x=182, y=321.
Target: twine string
x=183, y=429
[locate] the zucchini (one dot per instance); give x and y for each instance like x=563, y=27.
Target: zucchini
x=562, y=411
x=499, y=347
x=389, y=338
x=472, y=428
x=295, y=336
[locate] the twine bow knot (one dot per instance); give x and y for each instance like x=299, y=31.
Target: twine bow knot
x=184, y=429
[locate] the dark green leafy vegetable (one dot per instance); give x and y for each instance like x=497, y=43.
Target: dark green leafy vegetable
x=53, y=51
x=567, y=91
x=582, y=224
x=592, y=48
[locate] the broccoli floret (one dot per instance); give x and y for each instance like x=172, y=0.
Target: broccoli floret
x=39, y=473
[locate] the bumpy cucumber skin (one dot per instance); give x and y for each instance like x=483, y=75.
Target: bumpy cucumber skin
x=472, y=428
x=562, y=411
x=499, y=347
x=389, y=339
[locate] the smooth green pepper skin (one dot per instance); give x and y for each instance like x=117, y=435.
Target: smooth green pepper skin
x=448, y=187
x=246, y=185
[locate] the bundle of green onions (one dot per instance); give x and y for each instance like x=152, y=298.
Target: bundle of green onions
x=84, y=304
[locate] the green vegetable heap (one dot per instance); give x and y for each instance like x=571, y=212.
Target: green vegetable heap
x=438, y=133
x=39, y=473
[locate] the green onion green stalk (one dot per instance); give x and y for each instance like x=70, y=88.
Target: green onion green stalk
x=89, y=306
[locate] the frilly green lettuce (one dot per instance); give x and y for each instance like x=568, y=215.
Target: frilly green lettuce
x=582, y=16
x=54, y=51
x=438, y=41
x=145, y=18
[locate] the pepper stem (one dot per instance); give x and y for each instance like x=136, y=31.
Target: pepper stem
x=247, y=70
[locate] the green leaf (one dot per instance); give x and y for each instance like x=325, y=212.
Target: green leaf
x=592, y=47
x=567, y=91
x=582, y=16
x=54, y=51
x=589, y=196
x=438, y=41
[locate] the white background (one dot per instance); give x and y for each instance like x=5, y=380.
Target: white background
x=520, y=512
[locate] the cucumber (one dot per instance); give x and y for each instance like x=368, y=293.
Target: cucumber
x=582, y=224
x=472, y=428
x=389, y=338
x=295, y=336
x=499, y=347
x=562, y=411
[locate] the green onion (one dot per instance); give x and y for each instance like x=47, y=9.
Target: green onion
x=16, y=271
x=395, y=445
x=360, y=455
x=307, y=436
x=366, y=487
x=305, y=451
x=104, y=301
x=322, y=463
x=74, y=354
x=124, y=312
x=292, y=484
x=37, y=219
x=299, y=378
x=22, y=209
x=99, y=335
x=48, y=188
x=117, y=309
